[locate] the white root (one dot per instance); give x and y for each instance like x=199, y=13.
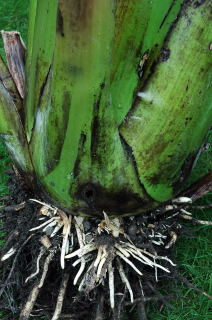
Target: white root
x=91, y=274
x=76, y=262
x=167, y=259
x=172, y=241
x=173, y=215
x=156, y=256
x=138, y=253
x=122, y=250
x=182, y=200
x=158, y=243
x=67, y=247
x=52, y=224
x=142, y=291
x=148, y=262
x=154, y=264
x=170, y=207
x=60, y=298
x=81, y=240
x=159, y=235
x=66, y=232
x=201, y=222
x=43, y=203
x=98, y=258
x=100, y=266
x=81, y=269
x=42, y=218
x=72, y=241
x=156, y=272
x=84, y=278
x=141, y=260
x=128, y=262
x=125, y=280
x=43, y=224
x=186, y=212
x=27, y=309
x=56, y=229
x=8, y=254
x=42, y=251
x=82, y=251
x=111, y=285
x=186, y=217
x=152, y=255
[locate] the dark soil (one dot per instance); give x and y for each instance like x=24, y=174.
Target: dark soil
x=19, y=219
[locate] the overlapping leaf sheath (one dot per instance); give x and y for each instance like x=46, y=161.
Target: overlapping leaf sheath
x=173, y=112
x=117, y=99
x=11, y=127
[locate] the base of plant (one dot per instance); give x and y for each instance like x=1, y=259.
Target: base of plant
x=77, y=266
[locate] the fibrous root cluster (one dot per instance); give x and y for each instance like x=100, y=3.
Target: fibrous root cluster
x=104, y=253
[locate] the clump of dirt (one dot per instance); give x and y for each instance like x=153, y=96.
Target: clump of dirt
x=146, y=237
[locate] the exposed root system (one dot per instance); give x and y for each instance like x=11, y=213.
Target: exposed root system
x=71, y=267
x=28, y=307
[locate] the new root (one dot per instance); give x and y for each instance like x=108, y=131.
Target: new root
x=105, y=256
x=108, y=251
